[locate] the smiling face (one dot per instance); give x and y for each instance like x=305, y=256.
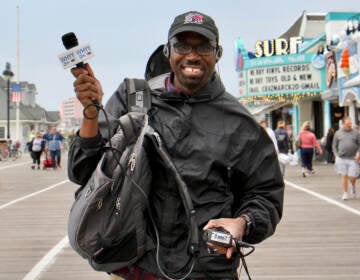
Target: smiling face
x=193, y=70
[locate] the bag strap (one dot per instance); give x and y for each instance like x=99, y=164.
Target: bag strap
x=183, y=190
x=139, y=100
x=138, y=95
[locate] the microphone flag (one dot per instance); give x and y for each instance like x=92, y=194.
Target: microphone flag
x=75, y=55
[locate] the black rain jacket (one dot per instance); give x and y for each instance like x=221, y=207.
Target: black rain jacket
x=226, y=158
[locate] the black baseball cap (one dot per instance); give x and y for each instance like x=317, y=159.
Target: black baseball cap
x=194, y=22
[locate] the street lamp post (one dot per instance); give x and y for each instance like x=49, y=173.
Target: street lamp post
x=8, y=74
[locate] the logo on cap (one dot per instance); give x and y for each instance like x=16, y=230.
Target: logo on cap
x=194, y=18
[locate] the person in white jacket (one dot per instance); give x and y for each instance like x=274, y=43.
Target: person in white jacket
x=271, y=134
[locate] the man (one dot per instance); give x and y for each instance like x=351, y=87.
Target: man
x=346, y=148
x=226, y=159
x=54, y=143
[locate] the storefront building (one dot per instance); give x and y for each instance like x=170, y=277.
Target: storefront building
x=290, y=78
x=342, y=71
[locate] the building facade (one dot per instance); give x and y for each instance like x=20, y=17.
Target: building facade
x=25, y=115
x=299, y=76
x=343, y=50
x=71, y=112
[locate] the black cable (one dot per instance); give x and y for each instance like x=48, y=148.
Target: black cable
x=239, y=246
x=98, y=108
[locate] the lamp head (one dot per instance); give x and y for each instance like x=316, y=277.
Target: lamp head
x=8, y=74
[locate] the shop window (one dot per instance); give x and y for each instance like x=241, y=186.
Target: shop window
x=337, y=114
x=283, y=114
x=318, y=119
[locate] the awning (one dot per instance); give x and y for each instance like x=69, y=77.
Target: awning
x=354, y=82
x=331, y=94
x=263, y=109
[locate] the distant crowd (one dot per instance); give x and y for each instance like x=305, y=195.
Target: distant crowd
x=341, y=148
x=51, y=144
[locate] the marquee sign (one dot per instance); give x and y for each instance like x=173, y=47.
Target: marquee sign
x=282, y=75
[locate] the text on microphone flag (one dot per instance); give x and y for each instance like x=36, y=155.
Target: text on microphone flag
x=75, y=55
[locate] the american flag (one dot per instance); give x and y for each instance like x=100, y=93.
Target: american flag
x=16, y=95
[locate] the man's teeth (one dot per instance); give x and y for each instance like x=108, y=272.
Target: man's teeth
x=193, y=70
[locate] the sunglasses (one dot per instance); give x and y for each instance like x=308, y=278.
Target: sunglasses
x=184, y=49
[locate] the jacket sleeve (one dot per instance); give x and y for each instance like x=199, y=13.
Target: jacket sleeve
x=85, y=153
x=258, y=186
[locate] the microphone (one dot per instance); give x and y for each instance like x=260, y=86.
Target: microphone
x=70, y=41
x=76, y=55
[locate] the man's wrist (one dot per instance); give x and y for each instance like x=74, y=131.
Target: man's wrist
x=248, y=222
x=91, y=112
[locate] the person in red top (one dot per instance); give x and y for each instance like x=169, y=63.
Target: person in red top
x=307, y=144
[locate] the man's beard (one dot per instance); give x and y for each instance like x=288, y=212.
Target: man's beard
x=190, y=83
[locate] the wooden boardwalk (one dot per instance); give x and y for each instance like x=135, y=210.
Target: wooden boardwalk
x=318, y=237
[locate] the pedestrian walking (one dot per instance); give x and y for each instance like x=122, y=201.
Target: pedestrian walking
x=283, y=142
x=36, y=147
x=307, y=142
x=54, y=144
x=346, y=148
x=271, y=134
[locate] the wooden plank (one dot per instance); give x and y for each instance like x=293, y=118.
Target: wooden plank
x=315, y=239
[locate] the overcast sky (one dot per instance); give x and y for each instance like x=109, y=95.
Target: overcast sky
x=123, y=34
